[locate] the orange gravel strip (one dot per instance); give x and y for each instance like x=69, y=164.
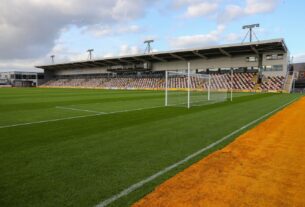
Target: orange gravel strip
x=263, y=167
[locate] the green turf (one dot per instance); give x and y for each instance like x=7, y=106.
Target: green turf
x=83, y=161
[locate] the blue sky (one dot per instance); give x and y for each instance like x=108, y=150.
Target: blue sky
x=32, y=30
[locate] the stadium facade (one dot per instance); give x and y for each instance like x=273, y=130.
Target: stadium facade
x=267, y=59
x=21, y=78
x=299, y=75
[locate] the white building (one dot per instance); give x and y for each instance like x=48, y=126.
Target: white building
x=20, y=78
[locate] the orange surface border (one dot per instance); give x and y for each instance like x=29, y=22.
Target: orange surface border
x=263, y=167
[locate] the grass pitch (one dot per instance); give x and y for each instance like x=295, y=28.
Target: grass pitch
x=77, y=147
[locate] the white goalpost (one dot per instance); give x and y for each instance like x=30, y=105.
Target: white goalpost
x=189, y=89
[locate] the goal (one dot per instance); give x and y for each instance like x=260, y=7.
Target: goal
x=188, y=89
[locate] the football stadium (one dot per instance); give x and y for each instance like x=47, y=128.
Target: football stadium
x=219, y=125
x=107, y=132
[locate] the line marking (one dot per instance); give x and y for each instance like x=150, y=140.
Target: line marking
x=45, y=121
x=138, y=185
x=75, y=109
x=75, y=117
x=138, y=109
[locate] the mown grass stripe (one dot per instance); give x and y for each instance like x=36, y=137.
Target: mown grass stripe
x=138, y=185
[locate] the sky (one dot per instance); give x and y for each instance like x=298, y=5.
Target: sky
x=33, y=30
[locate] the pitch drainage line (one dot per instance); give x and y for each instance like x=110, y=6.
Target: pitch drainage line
x=138, y=185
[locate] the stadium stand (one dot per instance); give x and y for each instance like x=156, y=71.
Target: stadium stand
x=241, y=81
x=273, y=83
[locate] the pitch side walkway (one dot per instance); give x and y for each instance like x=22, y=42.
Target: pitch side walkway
x=263, y=167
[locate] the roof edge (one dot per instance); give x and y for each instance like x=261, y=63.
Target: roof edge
x=278, y=40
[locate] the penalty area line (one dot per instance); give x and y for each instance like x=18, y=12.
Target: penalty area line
x=46, y=121
x=140, y=184
x=84, y=110
x=76, y=117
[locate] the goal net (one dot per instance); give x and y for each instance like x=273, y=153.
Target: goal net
x=188, y=89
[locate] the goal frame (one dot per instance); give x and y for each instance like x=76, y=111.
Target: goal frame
x=189, y=86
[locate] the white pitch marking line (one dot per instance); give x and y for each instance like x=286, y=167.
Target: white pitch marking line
x=138, y=109
x=138, y=185
x=84, y=110
x=76, y=117
x=46, y=121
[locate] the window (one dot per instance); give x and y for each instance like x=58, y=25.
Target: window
x=251, y=59
x=273, y=68
x=280, y=56
x=277, y=67
x=275, y=57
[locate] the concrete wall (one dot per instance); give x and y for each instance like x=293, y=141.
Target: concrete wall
x=203, y=64
x=200, y=64
x=283, y=62
x=299, y=67
x=10, y=77
x=225, y=62
x=5, y=75
x=77, y=71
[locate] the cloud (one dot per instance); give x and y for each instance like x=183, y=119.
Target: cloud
x=225, y=11
x=129, y=50
x=19, y=65
x=29, y=28
x=125, y=50
x=299, y=58
x=230, y=13
x=201, y=9
x=108, y=30
x=64, y=54
x=233, y=37
x=252, y=7
x=261, y=6
x=197, y=8
x=199, y=40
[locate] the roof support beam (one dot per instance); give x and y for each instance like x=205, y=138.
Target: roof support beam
x=126, y=61
x=199, y=54
x=100, y=64
x=254, y=50
x=139, y=59
x=225, y=52
x=284, y=46
x=177, y=56
x=83, y=64
x=111, y=62
x=60, y=67
x=158, y=58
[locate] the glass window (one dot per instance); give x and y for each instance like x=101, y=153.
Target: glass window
x=251, y=59
x=268, y=68
x=273, y=68
x=277, y=67
x=280, y=57
x=275, y=57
